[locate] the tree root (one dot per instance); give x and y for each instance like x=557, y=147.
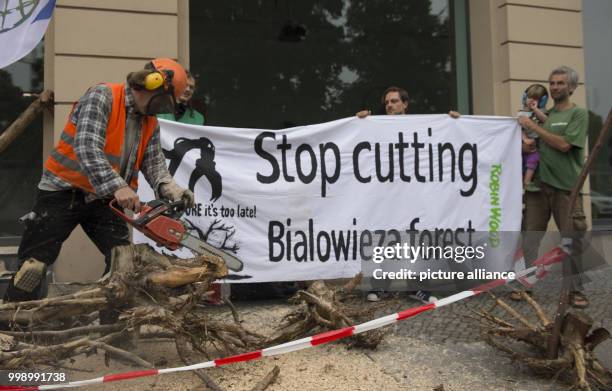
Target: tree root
x=268, y=380
x=144, y=289
x=321, y=308
x=576, y=363
x=148, y=296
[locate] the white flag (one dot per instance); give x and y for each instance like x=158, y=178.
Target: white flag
x=22, y=25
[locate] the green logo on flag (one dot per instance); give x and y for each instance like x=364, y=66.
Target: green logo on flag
x=14, y=12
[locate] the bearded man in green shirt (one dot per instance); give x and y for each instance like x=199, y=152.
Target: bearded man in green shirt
x=562, y=142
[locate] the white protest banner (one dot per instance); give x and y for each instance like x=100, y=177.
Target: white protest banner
x=303, y=203
x=22, y=26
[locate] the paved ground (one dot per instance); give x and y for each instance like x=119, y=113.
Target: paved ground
x=437, y=347
x=450, y=330
x=451, y=324
x=444, y=345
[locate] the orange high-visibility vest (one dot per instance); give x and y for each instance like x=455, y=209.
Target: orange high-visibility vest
x=63, y=161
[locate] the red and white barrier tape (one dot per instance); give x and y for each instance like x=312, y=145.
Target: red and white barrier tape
x=540, y=268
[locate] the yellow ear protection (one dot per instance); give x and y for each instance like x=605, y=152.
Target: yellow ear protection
x=153, y=81
x=161, y=81
x=158, y=78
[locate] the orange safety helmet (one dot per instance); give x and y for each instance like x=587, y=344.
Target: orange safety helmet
x=168, y=73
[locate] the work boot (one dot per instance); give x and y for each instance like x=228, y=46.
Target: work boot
x=30, y=275
x=26, y=284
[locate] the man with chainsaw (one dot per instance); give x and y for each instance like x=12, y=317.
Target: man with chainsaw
x=110, y=136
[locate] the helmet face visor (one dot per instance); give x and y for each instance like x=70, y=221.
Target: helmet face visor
x=160, y=103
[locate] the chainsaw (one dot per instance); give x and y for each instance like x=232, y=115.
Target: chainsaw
x=161, y=222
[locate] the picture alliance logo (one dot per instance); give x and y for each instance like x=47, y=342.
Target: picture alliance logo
x=205, y=166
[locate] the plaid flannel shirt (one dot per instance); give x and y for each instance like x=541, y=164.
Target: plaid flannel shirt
x=91, y=116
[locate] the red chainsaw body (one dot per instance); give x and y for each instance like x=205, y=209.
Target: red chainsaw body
x=160, y=221
x=163, y=230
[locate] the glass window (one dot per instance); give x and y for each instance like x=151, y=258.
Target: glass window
x=598, y=61
x=280, y=63
x=21, y=163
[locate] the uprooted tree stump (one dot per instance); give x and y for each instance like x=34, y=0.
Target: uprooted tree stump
x=576, y=363
x=149, y=295
x=146, y=295
x=322, y=308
